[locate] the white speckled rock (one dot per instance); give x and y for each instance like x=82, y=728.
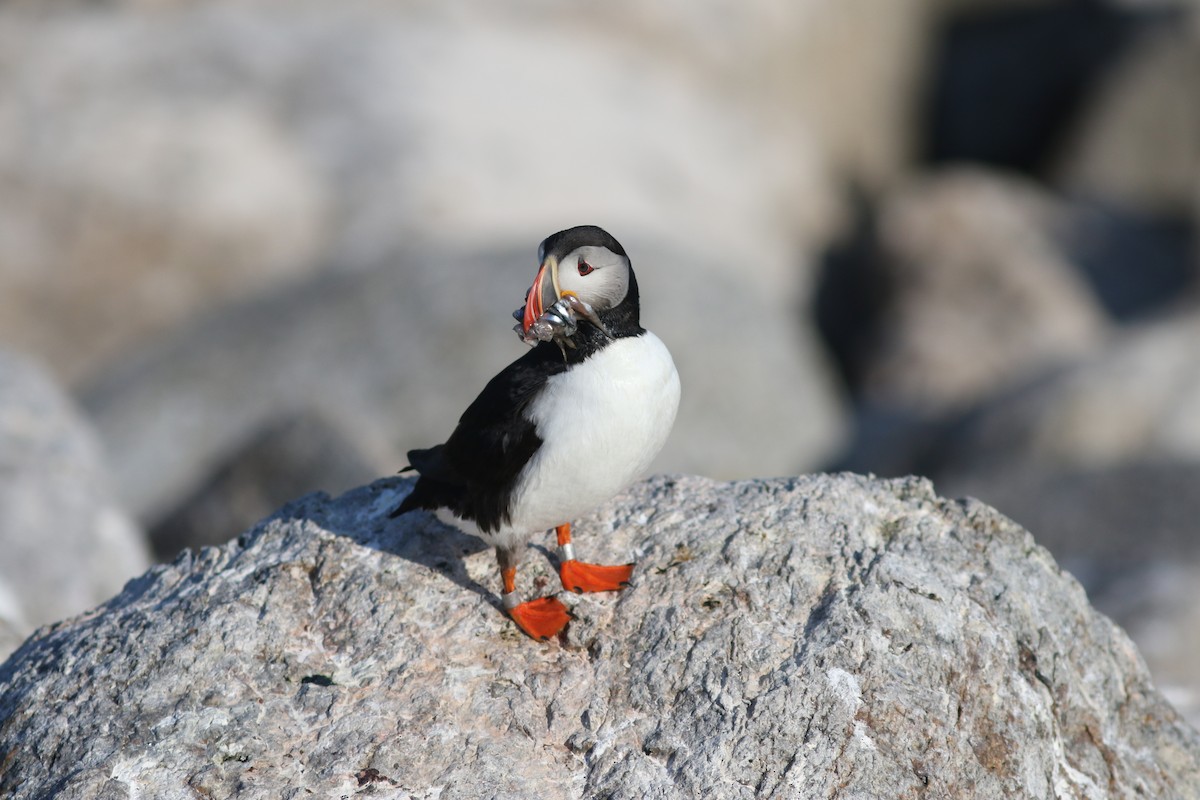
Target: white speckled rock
x=1128, y=533
x=818, y=637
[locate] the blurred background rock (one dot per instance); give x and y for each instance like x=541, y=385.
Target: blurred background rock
x=270, y=246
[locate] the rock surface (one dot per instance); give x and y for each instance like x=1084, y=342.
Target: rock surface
x=1128, y=533
x=65, y=543
x=819, y=637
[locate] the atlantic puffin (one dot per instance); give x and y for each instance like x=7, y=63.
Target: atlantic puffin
x=561, y=429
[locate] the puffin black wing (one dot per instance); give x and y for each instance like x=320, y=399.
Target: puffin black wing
x=474, y=473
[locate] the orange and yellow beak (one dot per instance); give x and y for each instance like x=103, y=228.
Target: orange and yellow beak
x=542, y=294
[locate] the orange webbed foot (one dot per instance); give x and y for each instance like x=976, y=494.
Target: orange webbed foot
x=578, y=576
x=541, y=618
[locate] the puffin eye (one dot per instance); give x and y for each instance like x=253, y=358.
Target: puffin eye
x=584, y=267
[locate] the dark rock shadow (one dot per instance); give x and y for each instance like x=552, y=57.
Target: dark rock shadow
x=1006, y=85
x=417, y=536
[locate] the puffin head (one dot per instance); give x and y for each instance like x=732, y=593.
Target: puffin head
x=588, y=262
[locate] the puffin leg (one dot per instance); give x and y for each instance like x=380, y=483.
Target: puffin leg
x=540, y=618
x=578, y=576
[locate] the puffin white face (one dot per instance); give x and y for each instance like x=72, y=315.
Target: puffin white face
x=596, y=275
x=593, y=273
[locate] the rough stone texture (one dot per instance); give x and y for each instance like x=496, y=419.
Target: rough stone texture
x=1159, y=604
x=392, y=356
x=982, y=292
x=820, y=637
x=1099, y=460
x=1128, y=533
x=65, y=543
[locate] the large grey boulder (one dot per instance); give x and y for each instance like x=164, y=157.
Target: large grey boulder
x=1136, y=399
x=982, y=291
x=158, y=159
x=65, y=541
x=1100, y=460
x=1128, y=533
x=818, y=637
x=132, y=199
x=1138, y=141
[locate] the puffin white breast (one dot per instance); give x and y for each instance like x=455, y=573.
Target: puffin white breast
x=601, y=423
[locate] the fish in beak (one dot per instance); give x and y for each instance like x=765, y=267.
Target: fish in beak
x=542, y=294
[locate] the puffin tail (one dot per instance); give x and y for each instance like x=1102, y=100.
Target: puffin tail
x=436, y=488
x=428, y=493
x=406, y=505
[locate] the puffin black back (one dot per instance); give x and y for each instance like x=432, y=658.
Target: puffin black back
x=473, y=472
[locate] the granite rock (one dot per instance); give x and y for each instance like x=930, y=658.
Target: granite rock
x=817, y=637
x=1128, y=533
